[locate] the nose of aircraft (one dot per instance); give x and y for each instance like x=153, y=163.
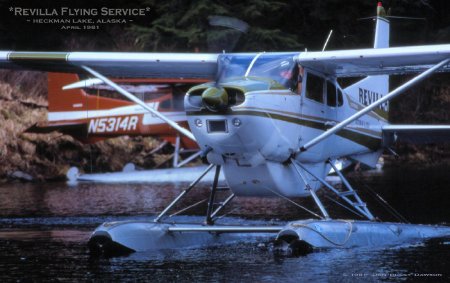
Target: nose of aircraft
x=215, y=98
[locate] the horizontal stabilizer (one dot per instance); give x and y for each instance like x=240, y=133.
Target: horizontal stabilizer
x=75, y=129
x=416, y=133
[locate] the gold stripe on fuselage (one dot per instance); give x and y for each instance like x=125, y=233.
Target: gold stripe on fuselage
x=359, y=136
x=377, y=114
x=367, y=131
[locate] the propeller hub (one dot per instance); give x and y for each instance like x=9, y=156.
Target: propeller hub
x=215, y=98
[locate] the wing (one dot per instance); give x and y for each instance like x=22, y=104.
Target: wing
x=416, y=133
x=366, y=62
x=360, y=62
x=116, y=64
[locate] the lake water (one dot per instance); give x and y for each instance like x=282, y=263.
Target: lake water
x=44, y=229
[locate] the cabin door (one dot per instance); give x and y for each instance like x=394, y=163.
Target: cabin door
x=313, y=110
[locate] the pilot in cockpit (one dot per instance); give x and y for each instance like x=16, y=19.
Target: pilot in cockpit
x=300, y=73
x=292, y=78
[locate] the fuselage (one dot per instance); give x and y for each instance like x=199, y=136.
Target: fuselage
x=128, y=119
x=97, y=112
x=268, y=118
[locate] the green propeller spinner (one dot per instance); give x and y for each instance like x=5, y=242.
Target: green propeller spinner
x=215, y=98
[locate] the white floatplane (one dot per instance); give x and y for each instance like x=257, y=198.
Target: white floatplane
x=273, y=123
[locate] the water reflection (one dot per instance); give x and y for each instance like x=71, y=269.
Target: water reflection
x=44, y=229
x=122, y=199
x=83, y=199
x=422, y=196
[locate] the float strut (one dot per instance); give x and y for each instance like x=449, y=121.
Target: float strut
x=176, y=154
x=212, y=196
x=222, y=205
x=359, y=206
x=318, y=202
x=351, y=191
x=177, y=199
x=189, y=159
x=312, y=192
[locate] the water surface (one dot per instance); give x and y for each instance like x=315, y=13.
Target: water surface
x=44, y=229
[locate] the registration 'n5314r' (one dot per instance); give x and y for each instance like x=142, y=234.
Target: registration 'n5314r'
x=113, y=124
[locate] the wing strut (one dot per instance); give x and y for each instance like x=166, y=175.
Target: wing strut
x=369, y=108
x=140, y=102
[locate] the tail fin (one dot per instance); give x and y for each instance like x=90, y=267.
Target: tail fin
x=76, y=99
x=381, y=29
x=64, y=100
x=372, y=88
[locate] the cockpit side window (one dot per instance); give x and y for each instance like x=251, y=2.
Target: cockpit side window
x=340, y=98
x=331, y=94
x=314, y=87
x=334, y=95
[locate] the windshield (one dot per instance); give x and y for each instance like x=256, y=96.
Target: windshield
x=278, y=67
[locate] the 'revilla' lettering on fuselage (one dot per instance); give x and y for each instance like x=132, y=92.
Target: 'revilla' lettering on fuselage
x=368, y=97
x=113, y=124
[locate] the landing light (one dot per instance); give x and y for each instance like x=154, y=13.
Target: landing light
x=198, y=123
x=236, y=122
